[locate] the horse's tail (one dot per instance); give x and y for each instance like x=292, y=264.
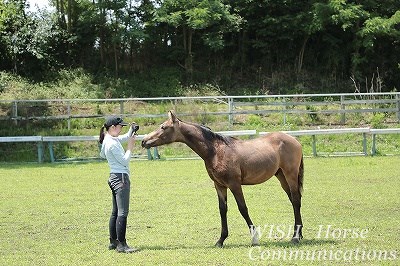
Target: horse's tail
x=300, y=176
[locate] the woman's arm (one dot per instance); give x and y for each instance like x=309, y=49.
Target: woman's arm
x=121, y=156
x=125, y=137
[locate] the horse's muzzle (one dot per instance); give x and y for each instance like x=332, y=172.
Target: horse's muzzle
x=144, y=144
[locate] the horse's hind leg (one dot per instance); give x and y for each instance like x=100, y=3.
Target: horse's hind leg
x=282, y=179
x=223, y=209
x=289, y=182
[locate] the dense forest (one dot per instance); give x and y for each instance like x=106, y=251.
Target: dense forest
x=161, y=47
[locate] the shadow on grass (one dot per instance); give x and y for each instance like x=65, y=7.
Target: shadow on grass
x=282, y=244
x=46, y=164
x=288, y=244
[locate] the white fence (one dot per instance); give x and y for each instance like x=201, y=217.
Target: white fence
x=49, y=140
x=229, y=106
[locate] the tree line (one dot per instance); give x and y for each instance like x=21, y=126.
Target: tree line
x=263, y=46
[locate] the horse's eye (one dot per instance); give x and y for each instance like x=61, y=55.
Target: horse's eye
x=162, y=127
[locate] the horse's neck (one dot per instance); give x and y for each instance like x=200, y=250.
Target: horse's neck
x=194, y=138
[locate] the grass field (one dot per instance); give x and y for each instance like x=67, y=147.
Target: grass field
x=58, y=215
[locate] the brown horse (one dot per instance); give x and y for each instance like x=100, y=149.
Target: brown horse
x=232, y=162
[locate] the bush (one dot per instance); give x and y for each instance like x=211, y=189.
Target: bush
x=378, y=120
x=69, y=84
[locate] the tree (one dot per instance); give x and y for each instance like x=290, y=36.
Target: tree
x=14, y=32
x=381, y=45
x=25, y=39
x=211, y=16
x=369, y=37
x=119, y=32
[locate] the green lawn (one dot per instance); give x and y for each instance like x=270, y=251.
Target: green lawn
x=57, y=214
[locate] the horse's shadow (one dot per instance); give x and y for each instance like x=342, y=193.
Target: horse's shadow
x=280, y=244
x=286, y=244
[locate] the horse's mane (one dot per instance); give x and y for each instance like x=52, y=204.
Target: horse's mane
x=210, y=135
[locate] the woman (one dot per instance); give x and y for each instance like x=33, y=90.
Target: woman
x=118, y=161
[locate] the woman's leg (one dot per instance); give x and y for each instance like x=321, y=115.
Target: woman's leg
x=112, y=224
x=112, y=228
x=122, y=198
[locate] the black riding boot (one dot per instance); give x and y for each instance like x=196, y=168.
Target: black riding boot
x=113, y=232
x=122, y=246
x=113, y=244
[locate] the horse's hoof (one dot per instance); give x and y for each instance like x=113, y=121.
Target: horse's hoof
x=255, y=240
x=219, y=245
x=296, y=240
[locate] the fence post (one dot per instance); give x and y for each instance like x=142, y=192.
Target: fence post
x=51, y=152
x=69, y=115
x=365, y=144
x=398, y=106
x=342, y=108
x=15, y=112
x=149, y=156
x=156, y=154
x=175, y=106
x=230, y=110
x=314, y=146
x=373, y=149
x=40, y=151
x=284, y=111
x=121, y=107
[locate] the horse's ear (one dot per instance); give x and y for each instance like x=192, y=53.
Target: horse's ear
x=172, y=116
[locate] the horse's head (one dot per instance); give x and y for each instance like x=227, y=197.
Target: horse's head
x=165, y=134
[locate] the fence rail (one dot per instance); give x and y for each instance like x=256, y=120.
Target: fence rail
x=314, y=133
x=49, y=140
x=229, y=106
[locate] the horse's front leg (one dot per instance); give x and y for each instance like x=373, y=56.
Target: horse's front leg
x=223, y=209
x=241, y=203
